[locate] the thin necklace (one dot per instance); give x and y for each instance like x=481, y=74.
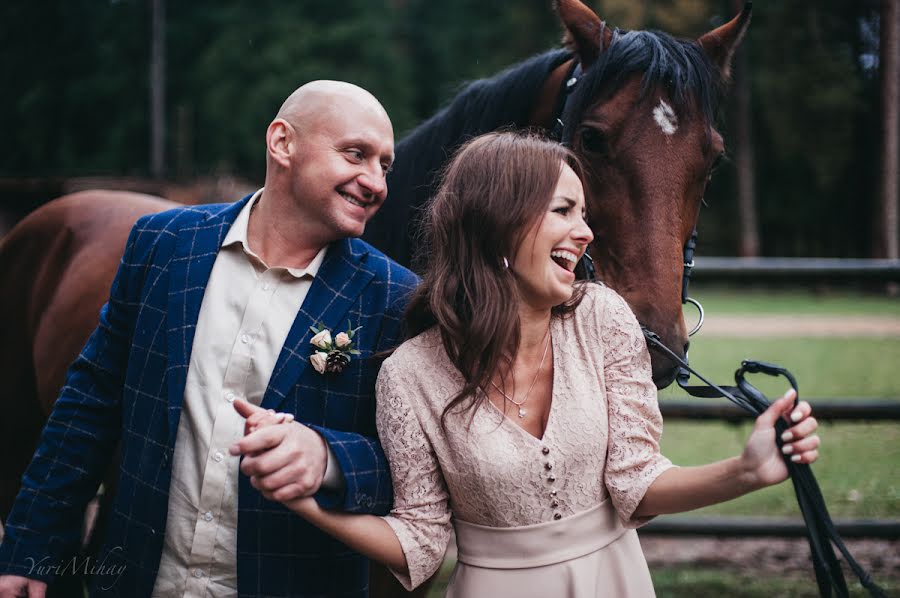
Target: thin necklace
x=519, y=404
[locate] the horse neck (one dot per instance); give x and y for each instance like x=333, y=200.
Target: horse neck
x=508, y=99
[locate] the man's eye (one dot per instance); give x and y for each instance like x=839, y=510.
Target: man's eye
x=356, y=154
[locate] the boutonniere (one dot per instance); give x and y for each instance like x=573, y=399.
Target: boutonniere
x=332, y=354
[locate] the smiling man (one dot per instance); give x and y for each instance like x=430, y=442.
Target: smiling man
x=212, y=304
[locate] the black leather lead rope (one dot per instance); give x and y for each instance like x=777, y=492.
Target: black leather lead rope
x=822, y=535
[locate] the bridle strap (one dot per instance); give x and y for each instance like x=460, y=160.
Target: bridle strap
x=562, y=102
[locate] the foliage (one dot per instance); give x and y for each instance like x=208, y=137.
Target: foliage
x=76, y=89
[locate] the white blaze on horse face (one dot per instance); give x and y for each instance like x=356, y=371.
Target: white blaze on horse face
x=666, y=118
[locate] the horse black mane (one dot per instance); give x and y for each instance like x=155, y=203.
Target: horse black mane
x=680, y=67
x=506, y=100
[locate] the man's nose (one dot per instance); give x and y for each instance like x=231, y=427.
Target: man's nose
x=373, y=183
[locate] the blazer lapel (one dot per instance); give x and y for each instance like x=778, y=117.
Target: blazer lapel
x=338, y=284
x=195, y=253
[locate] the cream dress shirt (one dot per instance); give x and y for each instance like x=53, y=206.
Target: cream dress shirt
x=247, y=311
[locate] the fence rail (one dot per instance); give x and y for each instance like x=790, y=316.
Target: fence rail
x=676, y=525
x=782, y=268
x=832, y=409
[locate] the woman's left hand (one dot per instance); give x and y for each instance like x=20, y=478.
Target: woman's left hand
x=761, y=456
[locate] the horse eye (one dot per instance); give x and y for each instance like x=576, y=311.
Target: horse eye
x=593, y=141
x=716, y=163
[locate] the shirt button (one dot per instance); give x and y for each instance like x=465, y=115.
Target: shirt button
x=266, y=286
x=198, y=573
x=245, y=339
x=208, y=516
x=218, y=456
x=230, y=397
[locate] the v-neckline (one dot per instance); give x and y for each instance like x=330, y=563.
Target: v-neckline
x=543, y=437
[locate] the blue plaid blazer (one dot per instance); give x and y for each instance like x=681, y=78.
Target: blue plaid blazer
x=128, y=383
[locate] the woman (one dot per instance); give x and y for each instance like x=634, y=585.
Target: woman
x=522, y=412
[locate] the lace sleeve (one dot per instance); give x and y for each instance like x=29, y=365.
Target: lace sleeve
x=635, y=424
x=421, y=515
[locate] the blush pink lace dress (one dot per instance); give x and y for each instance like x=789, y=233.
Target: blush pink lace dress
x=533, y=517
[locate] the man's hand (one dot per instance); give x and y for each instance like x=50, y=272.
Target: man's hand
x=14, y=586
x=283, y=459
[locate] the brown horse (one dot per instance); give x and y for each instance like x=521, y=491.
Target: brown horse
x=640, y=116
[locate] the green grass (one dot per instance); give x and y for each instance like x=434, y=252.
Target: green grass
x=760, y=301
x=699, y=582
x=824, y=367
x=857, y=468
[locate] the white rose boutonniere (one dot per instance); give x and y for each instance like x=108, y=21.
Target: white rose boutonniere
x=332, y=355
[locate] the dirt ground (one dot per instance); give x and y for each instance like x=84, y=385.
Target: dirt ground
x=724, y=325
x=767, y=556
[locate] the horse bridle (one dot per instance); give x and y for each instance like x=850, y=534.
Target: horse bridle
x=822, y=535
x=586, y=268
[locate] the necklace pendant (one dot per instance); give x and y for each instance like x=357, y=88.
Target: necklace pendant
x=521, y=412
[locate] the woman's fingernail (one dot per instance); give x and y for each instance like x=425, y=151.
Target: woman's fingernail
x=795, y=458
x=787, y=436
x=787, y=449
x=796, y=416
x=288, y=417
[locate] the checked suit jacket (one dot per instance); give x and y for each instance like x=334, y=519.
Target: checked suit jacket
x=127, y=386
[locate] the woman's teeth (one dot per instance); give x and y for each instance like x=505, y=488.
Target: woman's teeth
x=565, y=259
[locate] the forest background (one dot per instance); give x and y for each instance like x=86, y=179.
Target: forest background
x=803, y=121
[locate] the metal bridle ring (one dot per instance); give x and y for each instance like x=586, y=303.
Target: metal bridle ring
x=699, y=307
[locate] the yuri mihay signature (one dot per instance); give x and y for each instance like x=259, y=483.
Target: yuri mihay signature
x=75, y=565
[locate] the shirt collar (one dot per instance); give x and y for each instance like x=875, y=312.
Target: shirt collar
x=237, y=236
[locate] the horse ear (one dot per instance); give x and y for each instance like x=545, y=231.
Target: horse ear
x=586, y=34
x=720, y=43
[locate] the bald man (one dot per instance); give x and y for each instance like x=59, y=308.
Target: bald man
x=212, y=304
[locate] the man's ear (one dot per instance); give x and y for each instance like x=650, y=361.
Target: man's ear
x=279, y=137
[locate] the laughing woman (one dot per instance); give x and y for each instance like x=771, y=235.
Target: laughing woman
x=522, y=412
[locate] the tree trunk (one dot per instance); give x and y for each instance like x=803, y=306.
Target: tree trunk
x=890, y=121
x=157, y=88
x=748, y=235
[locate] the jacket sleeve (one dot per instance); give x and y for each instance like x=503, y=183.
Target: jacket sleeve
x=77, y=444
x=367, y=479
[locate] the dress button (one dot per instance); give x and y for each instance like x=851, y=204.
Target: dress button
x=198, y=573
x=548, y=466
x=551, y=478
x=553, y=493
x=545, y=450
x=554, y=504
x=218, y=457
x=557, y=516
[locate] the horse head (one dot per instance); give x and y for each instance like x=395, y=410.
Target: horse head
x=641, y=117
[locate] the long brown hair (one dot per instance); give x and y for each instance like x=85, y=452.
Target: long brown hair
x=494, y=189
